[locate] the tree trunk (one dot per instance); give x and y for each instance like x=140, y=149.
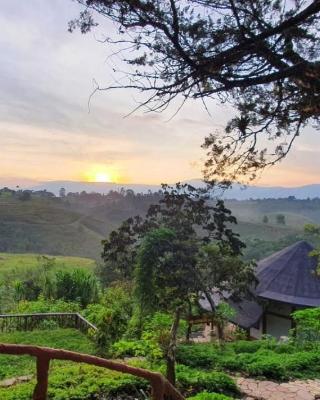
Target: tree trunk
x=189, y=327
x=220, y=332
x=188, y=332
x=171, y=353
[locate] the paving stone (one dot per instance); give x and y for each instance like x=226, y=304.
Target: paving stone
x=8, y=382
x=25, y=378
x=268, y=390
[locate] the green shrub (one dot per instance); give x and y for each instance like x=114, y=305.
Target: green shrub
x=129, y=348
x=111, y=316
x=209, y=396
x=45, y=306
x=245, y=346
x=267, y=366
x=204, y=355
x=76, y=285
x=307, y=325
x=302, y=363
x=193, y=381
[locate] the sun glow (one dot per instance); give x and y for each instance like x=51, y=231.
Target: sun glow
x=102, y=177
x=100, y=174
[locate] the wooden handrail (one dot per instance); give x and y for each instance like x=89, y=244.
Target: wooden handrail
x=161, y=387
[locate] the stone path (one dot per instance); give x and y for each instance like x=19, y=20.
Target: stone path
x=13, y=381
x=267, y=390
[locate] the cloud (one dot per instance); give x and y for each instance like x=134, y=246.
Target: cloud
x=46, y=129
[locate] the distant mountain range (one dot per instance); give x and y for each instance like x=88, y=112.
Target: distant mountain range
x=236, y=192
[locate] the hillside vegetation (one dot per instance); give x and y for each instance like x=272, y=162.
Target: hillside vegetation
x=76, y=224
x=16, y=265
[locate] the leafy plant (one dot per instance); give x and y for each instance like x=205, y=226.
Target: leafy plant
x=193, y=381
x=209, y=396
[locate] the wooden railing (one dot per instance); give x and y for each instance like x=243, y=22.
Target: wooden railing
x=28, y=322
x=160, y=387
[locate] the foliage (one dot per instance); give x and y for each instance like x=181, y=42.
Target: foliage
x=77, y=285
x=203, y=356
x=307, y=328
x=193, y=381
x=281, y=219
x=261, y=57
x=182, y=209
x=111, y=316
x=222, y=270
x=170, y=268
x=209, y=396
x=80, y=382
x=43, y=305
x=154, y=339
x=262, y=358
x=163, y=275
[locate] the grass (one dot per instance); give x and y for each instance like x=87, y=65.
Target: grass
x=16, y=265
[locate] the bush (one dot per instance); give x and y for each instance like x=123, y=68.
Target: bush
x=154, y=339
x=269, y=367
x=264, y=358
x=45, y=306
x=209, y=396
x=307, y=326
x=193, y=381
x=76, y=285
x=245, y=346
x=198, y=356
x=111, y=317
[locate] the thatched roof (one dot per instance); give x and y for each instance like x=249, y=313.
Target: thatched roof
x=290, y=276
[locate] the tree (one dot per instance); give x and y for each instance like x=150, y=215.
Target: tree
x=25, y=195
x=62, y=192
x=164, y=281
x=281, y=219
x=265, y=219
x=182, y=208
x=171, y=249
x=262, y=57
x=224, y=274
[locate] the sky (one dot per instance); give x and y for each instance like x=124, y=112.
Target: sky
x=49, y=130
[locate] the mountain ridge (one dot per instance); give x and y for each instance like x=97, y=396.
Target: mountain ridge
x=237, y=192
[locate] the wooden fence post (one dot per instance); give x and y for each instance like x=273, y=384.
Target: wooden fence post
x=41, y=389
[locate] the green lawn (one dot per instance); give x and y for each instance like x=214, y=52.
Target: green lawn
x=16, y=265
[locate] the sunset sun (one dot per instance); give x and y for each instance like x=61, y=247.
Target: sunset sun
x=99, y=174
x=102, y=177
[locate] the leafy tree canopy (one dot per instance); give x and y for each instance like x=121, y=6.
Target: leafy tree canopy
x=186, y=211
x=262, y=57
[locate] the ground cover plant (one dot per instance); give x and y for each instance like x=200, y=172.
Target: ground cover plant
x=265, y=359
x=67, y=380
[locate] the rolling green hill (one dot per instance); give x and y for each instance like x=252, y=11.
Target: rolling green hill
x=46, y=226
x=75, y=226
